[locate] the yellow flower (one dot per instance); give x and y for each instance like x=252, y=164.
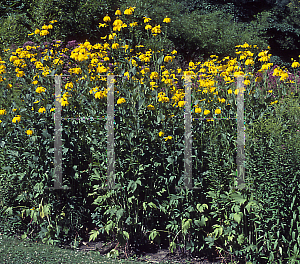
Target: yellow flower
x=270, y=91
x=20, y=74
x=64, y=102
x=16, y=118
x=13, y=58
x=102, y=25
x=115, y=46
x=66, y=95
x=101, y=69
x=206, y=112
x=42, y=110
x=168, y=138
x=245, y=45
x=295, y=64
x=229, y=91
x=133, y=24
x=118, y=13
x=156, y=29
x=44, y=32
x=198, y=110
x=164, y=99
x=146, y=19
x=29, y=132
x=75, y=70
x=154, y=75
x=106, y=19
x=69, y=86
x=283, y=76
x=99, y=95
x=181, y=103
x=2, y=112
x=40, y=89
x=249, y=62
x=218, y=111
x=150, y=107
x=247, y=82
x=167, y=20
x=274, y=102
x=121, y=100
x=168, y=58
x=37, y=31
x=239, y=73
x=161, y=133
x=266, y=66
x=118, y=22
x=133, y=61
x=128, y=12
x=147, y=27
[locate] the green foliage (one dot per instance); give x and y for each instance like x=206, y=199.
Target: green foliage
x=76, y=19
x=281, y=29
x=257, y=224
x=197, y=34
x=12, y=30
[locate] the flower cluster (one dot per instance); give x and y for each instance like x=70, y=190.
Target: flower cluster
x=115, y=55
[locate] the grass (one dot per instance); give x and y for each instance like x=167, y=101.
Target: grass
x=20, y=252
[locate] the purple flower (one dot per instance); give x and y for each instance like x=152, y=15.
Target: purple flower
x=71, y=44
x=28, y=43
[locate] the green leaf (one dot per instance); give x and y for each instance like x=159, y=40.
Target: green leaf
x=170, y=160
x=201, y=208
x=93, y=235
x=238, y=217
x=186, y=223
x=240, y=239
x=212, y=194
x=238, y=198
x=250, y=204
x=119, y=213
x=152, y=205
x=125, y=234
x=153, y=234
x=218, y=231
x=24, y=236
x=172, y=246
x=203, y=220
x=145, y=206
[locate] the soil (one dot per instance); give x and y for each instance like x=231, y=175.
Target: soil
x=149, y=254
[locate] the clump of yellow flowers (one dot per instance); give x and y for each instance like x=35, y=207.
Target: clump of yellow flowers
x=146, y=67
